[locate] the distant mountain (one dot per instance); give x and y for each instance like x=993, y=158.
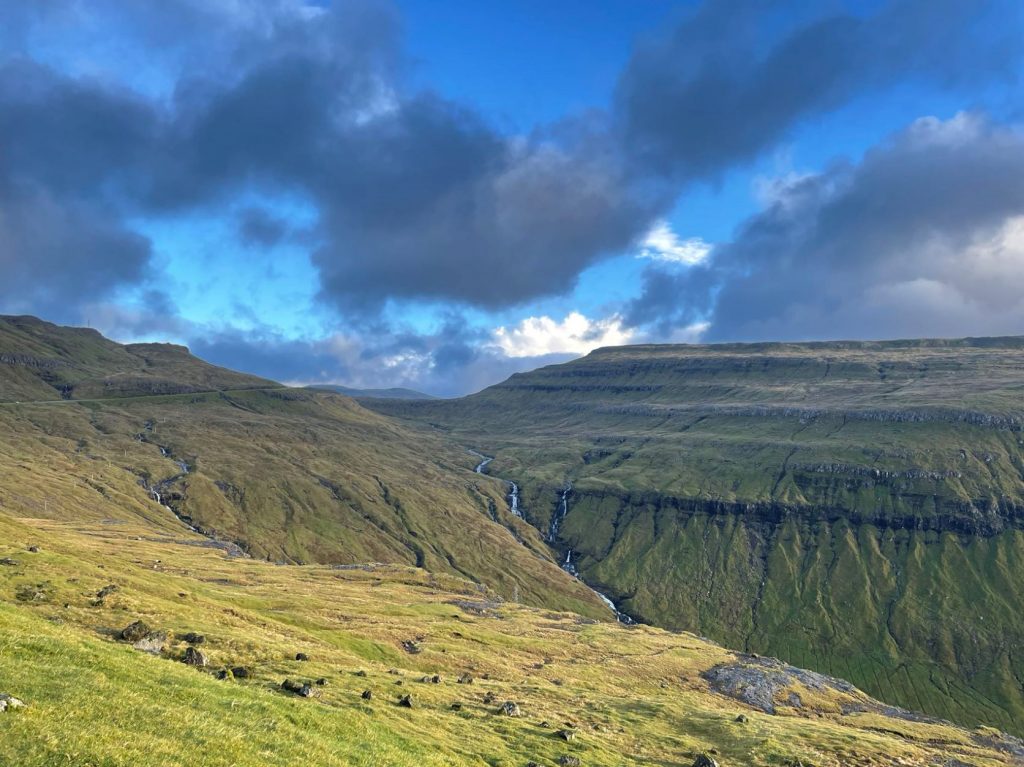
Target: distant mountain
x=850, y=507
x=394, y=393
x=43, y=361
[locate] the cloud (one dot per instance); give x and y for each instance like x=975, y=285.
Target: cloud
x=575, y=334
x=663, y=244
x=924, y=237
x=734, y=78
x=258, y=227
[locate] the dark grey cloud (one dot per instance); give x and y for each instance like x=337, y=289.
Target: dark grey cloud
x=924, y=237
x=736, y=77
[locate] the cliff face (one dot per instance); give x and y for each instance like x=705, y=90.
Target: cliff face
x=854, y=508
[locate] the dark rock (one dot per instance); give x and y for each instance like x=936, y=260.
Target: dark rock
x=134, y=631
x=405, y=701
x=301, y=656
x=367, y=695
x=224, y=674
x=412, y=647
x=489, y=698
x=569, y=761
x=510, y=708
x=742, y=719
x=456, y=707
x=33, y=549
x=465, y=679
x=435, y=679
x=302, y=689
x=106, y=591
x=7, y=561
x=321, y=682
x=703, y=760
x=363, y=673
x=241, y=672
x=566, y=735
x=194, y=657
x=193, y=638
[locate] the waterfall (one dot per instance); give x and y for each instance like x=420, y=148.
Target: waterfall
x=513, y=499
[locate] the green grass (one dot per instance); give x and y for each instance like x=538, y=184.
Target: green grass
x=634, y=695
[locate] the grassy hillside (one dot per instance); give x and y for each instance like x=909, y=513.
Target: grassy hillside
x=288, y=475
x=852, y=507
x=43, y=361
x=627, y=696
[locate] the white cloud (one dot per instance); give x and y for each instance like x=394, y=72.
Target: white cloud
x=663, y=244
x=576, y=334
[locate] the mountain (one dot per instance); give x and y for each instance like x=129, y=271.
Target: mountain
x=395, y=393
x=855, y=508
x=41, y=361
x=114, y=434
x=597, y=692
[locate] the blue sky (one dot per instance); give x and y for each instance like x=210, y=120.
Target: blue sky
x=436, y=195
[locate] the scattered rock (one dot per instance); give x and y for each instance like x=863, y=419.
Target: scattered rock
x=569, y=761
x=412, y=647
x=241, y=672
x=193, y=638
x=153, y=642
x=7, y=561
x=465, y=679
x=9, y=702
x=742, y=719
x=510, y=708
x=435, y=679
x=566, y=735
x=302, y=689
x=405, y=701
x=225, y=673
x=489, y=698
x=133, y=632
x=367, y=695
x=106, y=591
x=35, y=592
x=703, y=760
x=301, y=656
x=194, y=657
x=321, y=682
x=33, y=549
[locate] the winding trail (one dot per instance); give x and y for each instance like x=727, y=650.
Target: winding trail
x=552, y=536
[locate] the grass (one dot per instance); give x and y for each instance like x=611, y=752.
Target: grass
x=634, y=695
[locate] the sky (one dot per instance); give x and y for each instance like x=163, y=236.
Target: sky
x=438, y=195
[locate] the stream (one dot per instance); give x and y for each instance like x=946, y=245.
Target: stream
x=552, y=536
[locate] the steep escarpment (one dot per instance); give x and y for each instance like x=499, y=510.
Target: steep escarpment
x=853, y=507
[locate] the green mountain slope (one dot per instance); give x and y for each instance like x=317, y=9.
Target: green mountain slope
x=288, y=475
x=43, y=361
x=852, y=507
x=621, y=696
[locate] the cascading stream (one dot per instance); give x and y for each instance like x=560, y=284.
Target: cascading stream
x=552, y=536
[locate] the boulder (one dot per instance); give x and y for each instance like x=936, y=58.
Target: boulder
x=569, y=761
x=367, y=695
x=704, y=760
x=193, y=638
x=412, y=647
x=133, y=632
x=33, y=549
x=465, y=679
x=9, y=702
x=321, y=682
x=510, y=708
x=456, y=706
x=106, y=591
x=405, y=701
x=742, y=719
x=301, y=656
x=152, y=643
x=241, y=672
x=566, y=735
x=194, y=657
x=8, y=562
x=302, y=689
